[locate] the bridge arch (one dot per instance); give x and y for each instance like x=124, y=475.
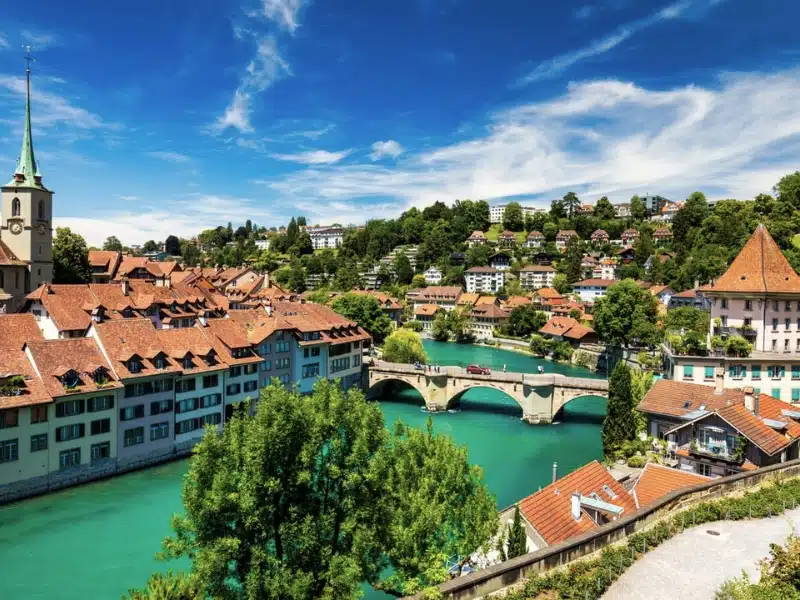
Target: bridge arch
x=455, y=399
x=380, y=383
x=563, y=396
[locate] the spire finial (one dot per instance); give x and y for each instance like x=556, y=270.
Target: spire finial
x=28, y=59
x=27, y=171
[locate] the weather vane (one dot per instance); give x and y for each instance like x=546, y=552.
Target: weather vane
x=28, y=58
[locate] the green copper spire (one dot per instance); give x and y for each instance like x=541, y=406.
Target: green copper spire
x=27, y=172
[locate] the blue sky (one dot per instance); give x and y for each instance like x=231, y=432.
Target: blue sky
x=155, y=117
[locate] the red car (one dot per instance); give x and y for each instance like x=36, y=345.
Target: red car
x=478, y=370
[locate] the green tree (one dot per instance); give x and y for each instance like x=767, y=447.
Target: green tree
x=70, y=258
x=418, y=281
x=191, y=254
x=655, y=274
x=297, y=278
x=517, y=538
x=604, y=210
x=626, y=314
x=290, y=503
x=570, y=265
x=478, y=256
x=619, y=424
x=442, y=508
x=688, y=318
x=112, y=244
x=301, y=221
x=541, y=346
x=562, y=351
x=302, y=244
x=571, y=202
x=638, y=210
x=150, y=246
x=524, y=320
x=367, y=312
x=172, y=245
x=688, y=220
x=557, y=210
x=512, y=217
x=402, y=269
x=561, y=284
x=291, y=231
x=644, y=247
x=404, y=346
x=168, y=586
x=440, y=330
x=347, y=278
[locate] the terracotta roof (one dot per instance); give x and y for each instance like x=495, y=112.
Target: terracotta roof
x=756, y=430
x=678, y=398
x=599, y=233
x=226, y=336
x=386, y=301
x=486, y=300
x=490, y=311
x=760, y=267
x=547, y=292
x=508, y=234
x=311, y=317
x=566, y=327
x=427, y=310
x=515, y=301
x=131, y=263
x=662, y=232
x=535, y=234
x=477, y=234
x=14, y=361
x=178, y=342
x=467, y=298
x=8, y=258
x=657, y=289
x=656, y=481
x=686, y=294
x=126, y=338
x=482, y=270
x=549, y=510
x=566, y=233
x=439, y=292
x=53, y=357
x=537, y=269
x=594, y=283
x=258, y=324
x=16, y=329
x=64, y=304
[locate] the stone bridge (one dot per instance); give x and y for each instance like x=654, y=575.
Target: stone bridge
x=540, y=396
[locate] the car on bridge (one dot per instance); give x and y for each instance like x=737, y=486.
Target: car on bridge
x=478, y=370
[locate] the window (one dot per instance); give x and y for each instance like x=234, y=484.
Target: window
x=774, y=345
x=356, y=360
x=158, y=431
x=9, y=451
x=187, y=426
x=69, y=458
x=161, y=362
x=101, y=451
x=39, y=442
x=282, y=363
x=756, y=374
x=211, y=400
x=9, y=418
x=748, y=305
x=134, y=436
x=774, y=324
x=311, y=370
x=724, y=303
x=776, y=393
x=775, y=307
x=709, y=373
x=282, y=347
x=776, y=371
x=235, y=372
x=250, y=386
x=210, y=381
x=134, y=365
x=185, y=385
x=266, y=348
x=723, y=321
x=70, y=432
x=688, y=371
x=70, y=408
x=788, y=306
x=131, y=412
x=339, y=349
x=250, y=369
x=233, y=388
x=757, y=390
x=100, y=426
x=785, y=345
x=702, y=469
x=267, y=365
x=737, y=371
x=41, y=212
x=340, y=364
x=787, y=324
x=284, y=379
x=185, y=406
x=795, y=394
x=212, y=419
x=99, y=403
x=187, y=362
x=157, y=408
x=310, y=352
x=15, y=207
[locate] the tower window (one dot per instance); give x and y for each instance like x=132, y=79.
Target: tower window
x=15, y=207
x=41, y=209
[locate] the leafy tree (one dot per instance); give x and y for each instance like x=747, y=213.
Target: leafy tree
x=367, y=312
x=291, y=231
x=541, y=346
x=524, y=320
x=619, y=424
x=626, y=314
x=70, y=258
x=644, y=247
x=779, y=578
x=347, y=278
x=557, y=210
x=402, y=269
x=442, y=508
x=478, y=256
x=172, y=245
x=112, y=244
x=240, y=234
x=301, y=221
x=570, y=265
x=549, y=231
x=688, y=318
x=655, y=274
x=404, y=346
x=517, y=538
x=440, y=329
x=688, y=220
x=191, y=254
x=290, y=503
x=481, y=215
x=297, y=278
x=248, y=226
x=561, y=284
x=562, y=351
x=736, y=345
x=571, y=202
x=150, y=246
x=638, y=210
x=630, y=270
x=604, y=210
x=418, y=281
x=302, y=244
x=512, y=217
x=168, y=586
x=459, y=322
x=575, y=313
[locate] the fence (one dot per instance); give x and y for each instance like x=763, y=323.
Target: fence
x=516, y=570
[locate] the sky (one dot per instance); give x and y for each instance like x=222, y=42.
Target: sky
x=156, y=118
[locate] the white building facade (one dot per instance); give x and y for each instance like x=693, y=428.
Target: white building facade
x=484, y=279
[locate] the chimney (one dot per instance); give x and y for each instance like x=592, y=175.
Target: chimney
x=719, y=380
x=268, y=308
x=202, y=317
x=576, y=505
x=755, y=404
x=126, y=285
x=696, y=284
x=555, y=471
x=749, y=400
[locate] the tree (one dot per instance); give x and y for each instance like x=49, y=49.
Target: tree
x=418, y=281
x=191, y=254
x=297, y=278
x=571, y=202
x=638, y=210
x=570, y=265
x=442, y=508
x=619, y=424
x=404, y=346
x=688, y=318
x=367, y=312
x=644, y=248
x=512, y=217
x=561, y=284
x=150, y=246
x=604, y=210
x=302, y=244
x=524, y=320
x=290, y=503
x=347, y=278
x=541, y=346
x=112, y=244
x=517, y=538
x=168, y=586
x=557, y=210
x=70, y=258
x=301, y=221
x=626, y=314
x=440, y=329
x=562, y=351
x=478, y=256
x=291, y=231
x=172, y=246
x=403, y=271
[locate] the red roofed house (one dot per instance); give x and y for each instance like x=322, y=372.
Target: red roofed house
x=476, y=238
x=535, y=239
x=104, y=265
x=662, y=234
x=600, y=237
x=425, y=314
x=563, y=237
x=568, y=329
x=591, y=289
x=487, y=317
x=507, y=239
x=629, y=237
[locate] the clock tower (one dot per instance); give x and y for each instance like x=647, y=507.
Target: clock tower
x=26, y=210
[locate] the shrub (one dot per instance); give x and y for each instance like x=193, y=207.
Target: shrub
x=583, y=359
x=738, y=346
x=562, y=351
x=413, y=325
x=637, y=462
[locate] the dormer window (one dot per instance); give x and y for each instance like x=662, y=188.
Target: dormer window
x=161, y=362
x=187, y=362
x=127, y=313
x=100, y=376
x=134, y=365
x=70, y=379
x=210, y=359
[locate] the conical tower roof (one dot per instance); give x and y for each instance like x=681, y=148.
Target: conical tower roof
x=27, y=172
x=759, y=268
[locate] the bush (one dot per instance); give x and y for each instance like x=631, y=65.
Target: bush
x=583, y=359
x=738, y=346
x=562, y=351
x=541, y=346
x=637, y=462
x=413, y=325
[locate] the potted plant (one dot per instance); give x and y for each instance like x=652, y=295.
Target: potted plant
x=13, y=386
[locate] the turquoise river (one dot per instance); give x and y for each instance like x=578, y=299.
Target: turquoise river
x=98, y=540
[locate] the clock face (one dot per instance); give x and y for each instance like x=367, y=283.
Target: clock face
x=42, y=228
x=15, y=227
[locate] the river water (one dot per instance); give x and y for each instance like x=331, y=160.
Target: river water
x=98, y=540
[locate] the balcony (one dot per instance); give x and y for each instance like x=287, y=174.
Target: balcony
x=718, y=450
x=746, y=332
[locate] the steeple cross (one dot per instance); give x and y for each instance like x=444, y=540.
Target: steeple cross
x=28, y=58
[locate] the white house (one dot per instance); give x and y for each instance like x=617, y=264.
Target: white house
x=264, y=244
x=327, y=238
x=433, y=276
x=484, y=279
x=591, y=289
x=535, y=239
x=535, y=277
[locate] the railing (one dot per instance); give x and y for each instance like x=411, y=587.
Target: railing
x=720, y=451
x=747, y=332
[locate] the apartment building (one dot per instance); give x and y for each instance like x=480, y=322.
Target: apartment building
x=484, y=279
x=445, y=296
x=535, y=239
x=563, y=237
x=486, y=318
x=273, y=341
x=590, y=290
x=497, y=211
x=535, y=277
x=758, y=298
x=332, y=237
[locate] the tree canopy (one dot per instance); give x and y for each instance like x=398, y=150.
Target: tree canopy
x=367, y=312
x=619, y=424
x=404, y=346
x=112, y=243
x=70, y=258
x=627, y=314
x=513, y=219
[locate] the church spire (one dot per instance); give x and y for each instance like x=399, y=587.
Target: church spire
x=27, y=171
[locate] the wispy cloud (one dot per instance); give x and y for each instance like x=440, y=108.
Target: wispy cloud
x=314, y=157
x=39, y=39
x=236, y=115
x=313, y=134
x=283, y=12
x=128, y=198
x=558, y=64
x=388, y=148
x=168, y=156
x=584, y=12
x=603, y=137
x=3, y=42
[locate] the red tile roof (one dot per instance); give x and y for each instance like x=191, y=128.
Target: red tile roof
x=482, y=270
x=678, y=398
x=566, y=234
x=439, y=292
x=106, y=259
x=537, y=269
x=756, y=430
x=656, y=481
x=53, y=358
x=8, y=258
x=760, y=267
x=535, y=235
x=16, y=329
x=123, y=339
x=14, y=361
x=549, y=510
x=427, y=310
x=549, y=293
x=594, y=283
x=566, y=327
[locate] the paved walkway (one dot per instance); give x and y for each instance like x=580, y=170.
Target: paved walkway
x=695, y=563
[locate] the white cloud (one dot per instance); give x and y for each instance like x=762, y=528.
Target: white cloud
x=599, y=138
x=284, y=12
x=314, y=157
x=236, y=115
x=128, y=198
x=3, y=42
x=387, y=148
x=558, y=64
x=38, y=39
x=168, y=156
